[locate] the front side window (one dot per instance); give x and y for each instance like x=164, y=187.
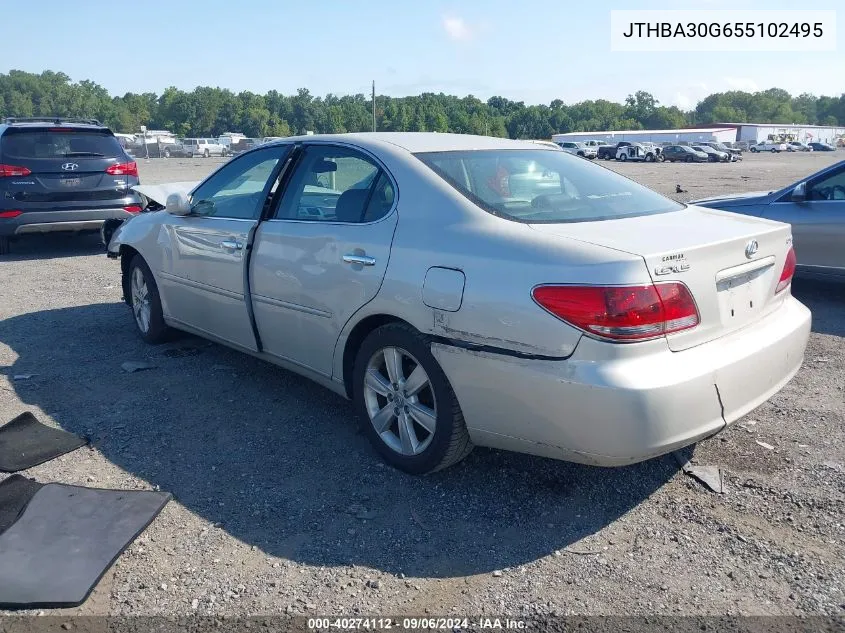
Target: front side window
x=239, y=189
x=831, y=187
x=336, y=184
x=541, y=186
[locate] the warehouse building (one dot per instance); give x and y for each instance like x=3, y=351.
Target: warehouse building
x=757, y=132
x=722, y=134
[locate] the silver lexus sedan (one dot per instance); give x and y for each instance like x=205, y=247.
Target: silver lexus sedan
x=466, y=290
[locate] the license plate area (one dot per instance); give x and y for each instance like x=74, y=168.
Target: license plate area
x=743, y=296
x=70, y=182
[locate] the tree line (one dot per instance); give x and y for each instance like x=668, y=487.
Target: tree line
x=207, y=111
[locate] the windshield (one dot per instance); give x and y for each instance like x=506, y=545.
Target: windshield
x=540, y=186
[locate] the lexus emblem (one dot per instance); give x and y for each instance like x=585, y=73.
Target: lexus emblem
x=751, y=249
x=70, y=166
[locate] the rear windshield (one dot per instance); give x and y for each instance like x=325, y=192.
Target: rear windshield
x=45, y=143
x=544, y=186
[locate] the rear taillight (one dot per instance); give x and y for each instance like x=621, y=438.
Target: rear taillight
x=622, y=313
x=123, y=169
x=7, y=171
x=788, y=271
x=133, y=208
x=10, y=214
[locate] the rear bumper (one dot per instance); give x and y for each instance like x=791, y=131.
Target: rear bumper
x=52, y=221
x=625, y=410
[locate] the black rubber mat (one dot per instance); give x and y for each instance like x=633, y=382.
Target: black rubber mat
x=25, y=442
x=65, y=539
x=15, y=493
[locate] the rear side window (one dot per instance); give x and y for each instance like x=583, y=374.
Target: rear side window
x=64, y=143
x=544, y=186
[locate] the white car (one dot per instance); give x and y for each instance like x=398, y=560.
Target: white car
x=466, y=290
x=204, y=147
x=579, y=149
x=768, y=146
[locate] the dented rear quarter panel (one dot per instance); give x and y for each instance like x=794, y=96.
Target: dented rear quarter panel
x=501, y=260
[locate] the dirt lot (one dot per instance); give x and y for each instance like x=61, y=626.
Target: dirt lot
x=270, y=475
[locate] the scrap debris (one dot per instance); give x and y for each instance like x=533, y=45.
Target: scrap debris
x=709, y=476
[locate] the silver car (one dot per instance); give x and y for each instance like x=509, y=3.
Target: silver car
x=815, y=207
x=466, y=290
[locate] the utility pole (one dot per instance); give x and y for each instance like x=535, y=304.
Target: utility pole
x=374, y=105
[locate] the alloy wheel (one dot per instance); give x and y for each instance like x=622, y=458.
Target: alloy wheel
x=141, y=300
x=400, y=402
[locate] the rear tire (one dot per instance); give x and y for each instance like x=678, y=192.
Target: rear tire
x=649, y=158
x=5, y=245
x=146, y=303
x=390, y=367
x=167, y=153
x=623, y=158
x=775, y=151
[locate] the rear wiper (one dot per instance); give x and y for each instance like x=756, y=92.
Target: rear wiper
x=96, y=154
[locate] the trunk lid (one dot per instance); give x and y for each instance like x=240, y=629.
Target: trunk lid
x=706, y=250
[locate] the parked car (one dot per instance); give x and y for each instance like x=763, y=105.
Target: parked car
x=204, y=147
x=798, y=146
x=61, y=174
x=176, y=150
x=815, y=207
x=822, y=147
x=596, y=144
x=244, y=144
x=608, y=152
x=511, y=279
x=578, y=149
x=713, y=155
x=768, y=146
x=734, y=152
x=684, y=153
x=638, y=152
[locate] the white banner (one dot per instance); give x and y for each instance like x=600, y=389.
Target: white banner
x=709, y=30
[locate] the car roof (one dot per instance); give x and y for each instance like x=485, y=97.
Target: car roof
x=47, y=125
x=417, y=141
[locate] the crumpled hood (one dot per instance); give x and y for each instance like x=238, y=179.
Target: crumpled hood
x=159, y=193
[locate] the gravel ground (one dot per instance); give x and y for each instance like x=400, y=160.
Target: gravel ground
x=281, y=506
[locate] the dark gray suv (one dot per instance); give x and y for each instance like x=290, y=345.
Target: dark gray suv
x=61, y=174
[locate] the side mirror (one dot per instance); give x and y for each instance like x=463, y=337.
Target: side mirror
x=799, y=194
x=177, y=204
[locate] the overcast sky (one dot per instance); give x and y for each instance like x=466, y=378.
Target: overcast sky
x=530, y=50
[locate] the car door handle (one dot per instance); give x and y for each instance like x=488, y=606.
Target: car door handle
x=231, y=245
x=364, y=260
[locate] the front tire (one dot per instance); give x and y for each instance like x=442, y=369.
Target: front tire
x=146, y=303
x=623, y=158
x=689, y=159
x=5, y=245
x=407, y=407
